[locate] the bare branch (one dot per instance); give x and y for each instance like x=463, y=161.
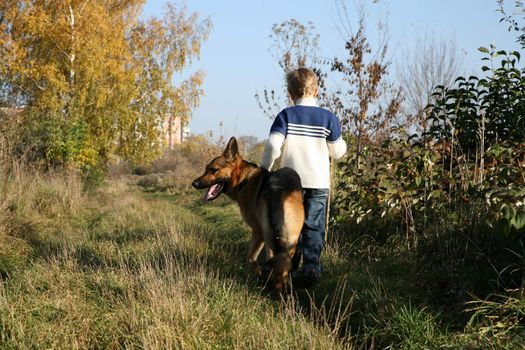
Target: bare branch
x=433, y=62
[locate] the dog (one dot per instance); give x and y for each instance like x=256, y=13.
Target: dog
x=271, y=203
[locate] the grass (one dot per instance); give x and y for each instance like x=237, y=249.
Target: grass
x=121, y=267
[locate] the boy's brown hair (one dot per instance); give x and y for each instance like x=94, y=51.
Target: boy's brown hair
x=301, y=82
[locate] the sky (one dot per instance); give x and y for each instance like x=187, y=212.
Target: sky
x=238, y=63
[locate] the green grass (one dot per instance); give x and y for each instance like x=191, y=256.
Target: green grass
x=126, y=268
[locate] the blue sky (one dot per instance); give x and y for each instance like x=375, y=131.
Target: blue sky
x=237, y=61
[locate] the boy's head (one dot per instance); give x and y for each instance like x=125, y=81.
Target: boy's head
x=301, y=82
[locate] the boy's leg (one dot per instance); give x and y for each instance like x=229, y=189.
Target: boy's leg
x=312, y=235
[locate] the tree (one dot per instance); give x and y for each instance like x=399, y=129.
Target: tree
x=366, y=102
x=481, y=113
x=94, y=79
x=433, y=62
x=294, y=45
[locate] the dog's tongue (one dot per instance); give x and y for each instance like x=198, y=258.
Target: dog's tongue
x=210, y=193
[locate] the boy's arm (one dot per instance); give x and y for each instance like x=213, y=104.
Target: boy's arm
x=272, y=151
x=335, y=142
x=337, y=149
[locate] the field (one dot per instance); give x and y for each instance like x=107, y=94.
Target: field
x=104, y=244
x=124, y=266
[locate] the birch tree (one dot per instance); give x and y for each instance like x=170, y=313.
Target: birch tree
x=94, y=79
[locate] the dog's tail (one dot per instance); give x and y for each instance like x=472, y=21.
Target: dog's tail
x=278, y=268
x=281, y=264
x=280, y=184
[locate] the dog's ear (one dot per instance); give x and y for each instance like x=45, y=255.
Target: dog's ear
x=232, y=150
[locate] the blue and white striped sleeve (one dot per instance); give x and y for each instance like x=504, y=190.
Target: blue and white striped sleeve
x=335, y=142
x=279, y=125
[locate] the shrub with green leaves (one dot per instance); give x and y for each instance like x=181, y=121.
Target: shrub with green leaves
x=473, y=153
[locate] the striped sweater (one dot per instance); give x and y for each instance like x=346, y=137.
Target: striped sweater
x=305, y=136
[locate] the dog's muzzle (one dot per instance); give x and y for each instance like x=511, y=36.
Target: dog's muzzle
x=197, y=184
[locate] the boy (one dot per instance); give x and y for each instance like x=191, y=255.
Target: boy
x=308, y=136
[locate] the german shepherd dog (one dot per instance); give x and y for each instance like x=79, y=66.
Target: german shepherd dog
x=271, y=203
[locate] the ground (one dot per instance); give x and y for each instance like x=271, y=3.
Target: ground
x=123, y=267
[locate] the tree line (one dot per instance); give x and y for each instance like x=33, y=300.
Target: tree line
x=85, y=82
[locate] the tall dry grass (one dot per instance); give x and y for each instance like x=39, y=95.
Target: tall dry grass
x=117, y=268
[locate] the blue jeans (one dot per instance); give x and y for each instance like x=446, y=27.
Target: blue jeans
x=311, y=240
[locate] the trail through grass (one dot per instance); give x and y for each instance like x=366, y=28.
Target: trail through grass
x=127, y=268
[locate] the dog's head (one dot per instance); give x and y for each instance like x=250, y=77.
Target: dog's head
x=218, y=174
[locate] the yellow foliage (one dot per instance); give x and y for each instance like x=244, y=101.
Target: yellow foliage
x=97, y=74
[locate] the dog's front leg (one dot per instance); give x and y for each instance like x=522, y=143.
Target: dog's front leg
x=256, y=246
